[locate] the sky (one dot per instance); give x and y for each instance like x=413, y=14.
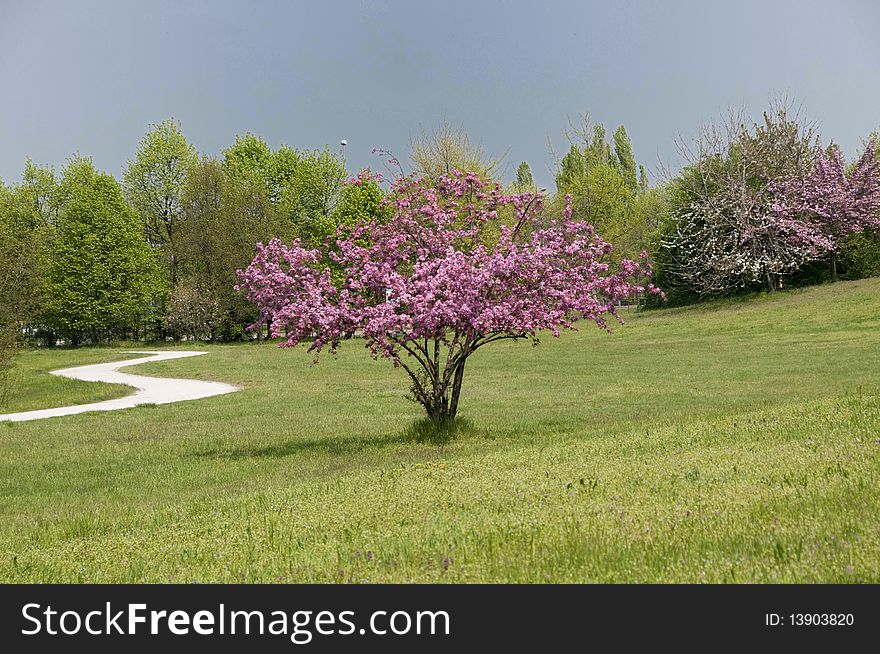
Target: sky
x=90, y=76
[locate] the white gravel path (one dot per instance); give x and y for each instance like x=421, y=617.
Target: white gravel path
x=149, y=390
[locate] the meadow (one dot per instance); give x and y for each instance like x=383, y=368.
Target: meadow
x=736, y=441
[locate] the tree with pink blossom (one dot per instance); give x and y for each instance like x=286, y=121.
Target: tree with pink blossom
x=833, y=200
x=452, y=266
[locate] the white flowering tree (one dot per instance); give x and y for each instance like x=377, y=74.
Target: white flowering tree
x=728, y=226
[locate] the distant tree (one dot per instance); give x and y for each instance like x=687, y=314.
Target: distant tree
x=202, y=223
x=304, y=185
x=524, y=183
x=154, y=182
x=224, y=218
x=18, y=282
x=426, y=292
x=836, y=201
x=251, y=156
x=727, y=231
x=312, y=193
x=21, y=245
x=193, y=312
x=626, y=161
x=604, y=187
x=649, y=208
x=596, y=148
x=445, y=149
x=362, y=200
x=100, y=268
x=37, y=195
x=587, y=148
x=571, y=170
x=28, y=215
x=860, y=254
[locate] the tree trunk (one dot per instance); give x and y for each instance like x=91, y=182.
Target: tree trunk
x=444, y=407
x=771, y=283
x=456, y=388
x=439, y=409
x=833, y=267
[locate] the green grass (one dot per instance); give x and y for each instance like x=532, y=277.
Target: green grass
x=34, y=388
x=734, y=442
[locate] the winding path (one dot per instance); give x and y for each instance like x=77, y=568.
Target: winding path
x=149, y=390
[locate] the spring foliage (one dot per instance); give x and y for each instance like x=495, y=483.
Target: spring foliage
x=100, y=269
x=453, y=266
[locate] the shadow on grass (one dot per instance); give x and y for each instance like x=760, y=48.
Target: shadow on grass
x=341, y=446
x=419, y=432
x=441, y=433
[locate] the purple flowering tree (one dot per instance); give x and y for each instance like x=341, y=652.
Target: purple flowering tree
x=451, y=267
x=833, y=201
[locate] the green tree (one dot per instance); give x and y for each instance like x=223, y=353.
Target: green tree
x=310, y=195
x=28, y=214
x=18, y=283
x=625, y=159
x=609, y=201
x=606, y=186
x=38, y=195
x=251, y=157
x=100, y=269
x=154, y=182
x=524, y=182
x=572, y=170
x=599, y=191
x=361, y=200
x=225, y=215
x=598, y=150
x=303, y=185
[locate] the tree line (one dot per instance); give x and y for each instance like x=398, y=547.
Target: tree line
x=86, y=258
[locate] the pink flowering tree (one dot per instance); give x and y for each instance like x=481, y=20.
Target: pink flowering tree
x=833, y=201
x=452, y=266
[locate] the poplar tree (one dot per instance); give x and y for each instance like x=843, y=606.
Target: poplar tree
x=524, y=182
x=626, y=161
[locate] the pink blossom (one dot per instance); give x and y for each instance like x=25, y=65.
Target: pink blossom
x=443, y=276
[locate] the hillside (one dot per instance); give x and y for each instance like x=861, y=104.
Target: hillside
x=734, y=441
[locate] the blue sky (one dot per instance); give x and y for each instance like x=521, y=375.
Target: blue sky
x=89, y=76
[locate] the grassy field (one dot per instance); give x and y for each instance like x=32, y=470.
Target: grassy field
x=35, y=388
x=735, y=442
